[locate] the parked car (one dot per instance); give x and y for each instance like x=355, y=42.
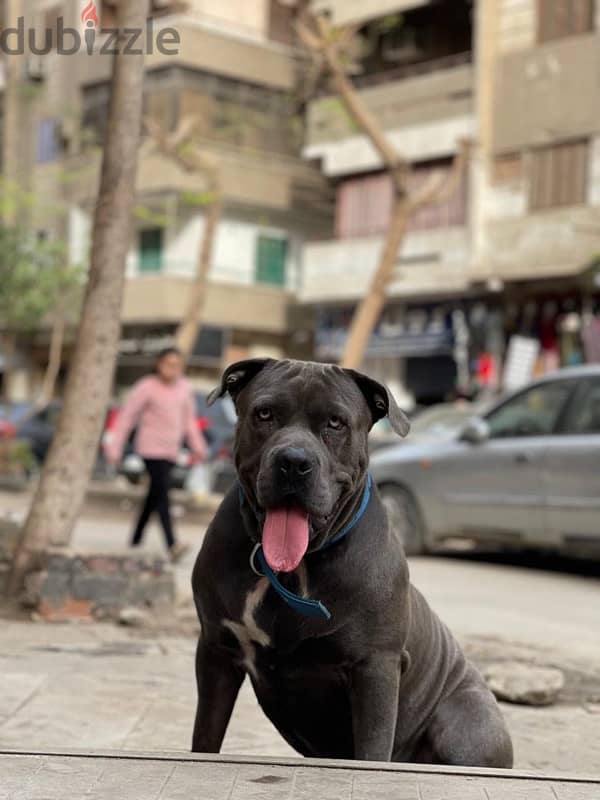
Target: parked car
x=438, y=420
x=523, y=474
x=19, y=420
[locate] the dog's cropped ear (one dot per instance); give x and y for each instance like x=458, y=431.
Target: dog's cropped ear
x=381, y=402
x=236, y=376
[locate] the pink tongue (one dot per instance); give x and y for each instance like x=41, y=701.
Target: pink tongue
x=285, y=538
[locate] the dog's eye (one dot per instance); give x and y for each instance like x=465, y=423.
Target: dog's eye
x=335, y=422
x=264, y=414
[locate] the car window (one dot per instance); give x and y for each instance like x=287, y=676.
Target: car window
x=440, y=419
x=584, y=414
x=534, y=412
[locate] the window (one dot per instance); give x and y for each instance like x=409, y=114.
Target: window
x=534, y=412
x=48, y=141
x=559, y=18
x=558, y=175
x=584, y=415
x=151, y=241
x=95, y=100
x=270, y=260
x=364, y=204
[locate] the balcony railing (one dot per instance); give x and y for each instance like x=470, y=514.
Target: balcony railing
x=414, y=70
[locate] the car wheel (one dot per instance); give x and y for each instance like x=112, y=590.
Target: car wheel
x=404, y=517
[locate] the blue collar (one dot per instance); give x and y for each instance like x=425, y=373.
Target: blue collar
x=308, y=608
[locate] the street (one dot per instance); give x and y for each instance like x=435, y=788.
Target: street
x=102, y=686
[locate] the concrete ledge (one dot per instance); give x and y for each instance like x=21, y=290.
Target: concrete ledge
x=166, y=776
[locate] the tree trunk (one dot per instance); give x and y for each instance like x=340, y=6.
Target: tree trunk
x=369, y=310
x=64, y=479
x=327, y=47
x=189, y=327
x=9, y=348
x=57, y=337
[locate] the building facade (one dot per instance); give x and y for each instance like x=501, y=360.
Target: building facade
x=514, y=250
x=234, y=69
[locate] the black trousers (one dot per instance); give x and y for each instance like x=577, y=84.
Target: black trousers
x=157, y=499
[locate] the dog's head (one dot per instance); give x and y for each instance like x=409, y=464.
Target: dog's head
x=301, y=449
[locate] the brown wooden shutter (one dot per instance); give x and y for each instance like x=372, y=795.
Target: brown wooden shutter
x=363, y=205
x=558, y=175
x=558, y=18
x=440, y=215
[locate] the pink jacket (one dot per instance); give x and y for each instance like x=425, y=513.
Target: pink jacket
x=164, y=414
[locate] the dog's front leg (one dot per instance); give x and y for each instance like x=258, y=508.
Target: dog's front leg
x=374, y=699
x=219, y=679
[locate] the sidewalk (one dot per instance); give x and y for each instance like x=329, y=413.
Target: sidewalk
x=102, y=686
x=98, y=686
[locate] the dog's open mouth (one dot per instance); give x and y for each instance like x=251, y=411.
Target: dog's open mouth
x=285, y=538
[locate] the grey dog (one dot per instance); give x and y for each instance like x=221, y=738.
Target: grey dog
x=302, y=585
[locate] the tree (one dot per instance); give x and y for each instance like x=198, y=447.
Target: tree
x=331, y=50
x=180, y=147
x=63, y=482
x=39, y=287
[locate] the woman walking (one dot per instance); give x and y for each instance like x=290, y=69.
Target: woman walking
x=162, y=407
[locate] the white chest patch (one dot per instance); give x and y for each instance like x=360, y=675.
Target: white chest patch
x=247, y=631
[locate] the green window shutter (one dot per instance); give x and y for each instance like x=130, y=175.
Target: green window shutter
x=151, y=250
x=270, y=260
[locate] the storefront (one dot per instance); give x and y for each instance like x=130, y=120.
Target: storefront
x=414, y=349
x=435, y=351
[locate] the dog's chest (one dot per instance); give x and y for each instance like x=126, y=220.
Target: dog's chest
x=265, y=624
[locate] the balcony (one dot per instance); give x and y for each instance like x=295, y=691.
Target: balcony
x=431, y=262
x=205, y=48
x=163, y=299
x=249, y=178
x=555, y=242
x=344, y=12
x=424, y=114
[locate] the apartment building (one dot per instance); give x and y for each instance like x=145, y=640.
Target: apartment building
x=235, y=69
x=513, y=250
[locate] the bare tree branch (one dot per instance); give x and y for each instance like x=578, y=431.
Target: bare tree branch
x=308, y=38
x=329, y=48
x=179, y=147
x=441, y=187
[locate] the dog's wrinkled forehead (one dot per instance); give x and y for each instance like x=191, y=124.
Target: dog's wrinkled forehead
x=308, y=381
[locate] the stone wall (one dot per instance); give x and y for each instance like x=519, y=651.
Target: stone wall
x=68, y=584
x=99, y=586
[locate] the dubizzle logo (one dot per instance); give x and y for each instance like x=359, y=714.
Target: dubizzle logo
x=68, y=41
x=89, y=20
x=89, y=15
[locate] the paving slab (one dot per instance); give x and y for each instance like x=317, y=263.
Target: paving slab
x=132, y=776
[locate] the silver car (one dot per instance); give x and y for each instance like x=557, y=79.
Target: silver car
x=526, y=473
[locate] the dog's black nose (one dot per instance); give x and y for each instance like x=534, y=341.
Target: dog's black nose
x=294, y=462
